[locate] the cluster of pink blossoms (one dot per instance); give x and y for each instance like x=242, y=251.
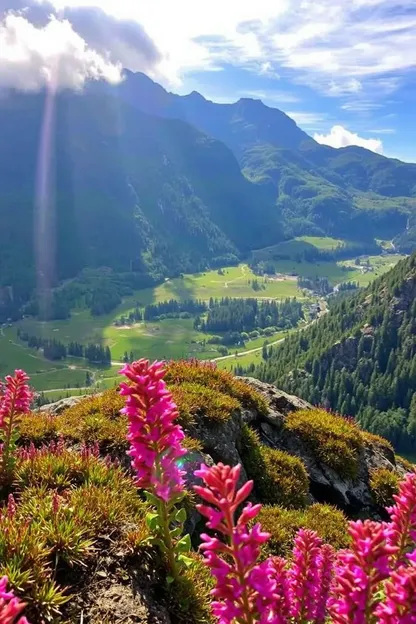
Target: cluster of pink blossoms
x=10, y=606
x=15, y=396
x=318, y=583
x=155, y=439
x=248, y=592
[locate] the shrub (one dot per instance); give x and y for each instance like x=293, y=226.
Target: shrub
x=384, y=484
x=195, y=371
x=283, y=524
x=279, y=478
x=333, y=439
x=195, y=399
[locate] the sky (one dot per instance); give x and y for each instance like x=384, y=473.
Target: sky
x=344, y=70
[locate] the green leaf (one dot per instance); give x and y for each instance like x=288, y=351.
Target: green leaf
x=181, y=515
x=153, y=521
x=170, y=580
x=187, y=561
x=184, y=544
x=176, y=532
x=151, y=498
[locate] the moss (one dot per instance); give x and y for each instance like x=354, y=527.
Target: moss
x=405, y=463
x=68, y=506
x=283, y=524
x=279, y=478
x=384, y=484
x=333, y=439
x=371, y=439
x=197, y=388
x=192, y=445
x=189, y=598
x=195, y=399
x=208, y=375
x=94, y=419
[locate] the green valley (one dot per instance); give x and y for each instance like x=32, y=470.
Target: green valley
x=176, y=338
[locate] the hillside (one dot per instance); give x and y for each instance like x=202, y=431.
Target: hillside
x=360, y=359
x=125, y=190
x=80, y=540
x=320, y=190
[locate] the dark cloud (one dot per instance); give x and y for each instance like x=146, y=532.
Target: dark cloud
x=122, y=41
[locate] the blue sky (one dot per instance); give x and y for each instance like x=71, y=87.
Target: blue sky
x=345, y=70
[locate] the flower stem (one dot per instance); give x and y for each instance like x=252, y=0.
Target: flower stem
x=167, y=538
x=6, y=447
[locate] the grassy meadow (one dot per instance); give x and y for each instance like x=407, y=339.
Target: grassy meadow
x=171, y=338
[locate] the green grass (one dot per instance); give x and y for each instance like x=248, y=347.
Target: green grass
x=333, y=271
x=322, y=242
x=379, y=265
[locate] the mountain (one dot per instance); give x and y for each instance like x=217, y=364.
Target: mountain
x=360, y=359
x=348, y=192
x=128, y=190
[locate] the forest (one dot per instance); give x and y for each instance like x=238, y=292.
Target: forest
x=360, y=359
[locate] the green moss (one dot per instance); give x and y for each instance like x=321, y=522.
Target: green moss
x=279, y=478
x=334, y=440
x=283, y=524
x=407, y=465
x=384, y=484
x=208, y=375
x=372, y=439
x=195, y=399
x=189, y=598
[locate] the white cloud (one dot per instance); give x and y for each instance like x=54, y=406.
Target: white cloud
x=341, y=137
x=340, y=47
x=307, y=120
x=337, y=46
x=34, y=56
x=272, y=96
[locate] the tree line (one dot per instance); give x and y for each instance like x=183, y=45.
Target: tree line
x=56, y=350
x=245, y=315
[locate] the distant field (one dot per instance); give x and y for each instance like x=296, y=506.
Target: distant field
x=379, y=265
x=322, y=242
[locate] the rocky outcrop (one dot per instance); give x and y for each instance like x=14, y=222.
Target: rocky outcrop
x=63, y=404
x=221, y=441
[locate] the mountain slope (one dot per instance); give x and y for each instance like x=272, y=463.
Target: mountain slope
x=128, y=190
x=360, y=359
x=319, y=189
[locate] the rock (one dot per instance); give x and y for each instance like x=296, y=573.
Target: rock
x=221, y=439
x=63, y=404
x=326, y=485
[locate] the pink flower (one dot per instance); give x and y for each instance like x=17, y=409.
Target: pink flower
x=359, y=572
x=399, y=605
x=304, y=576
x=245, y=590
x=155, y=439
x=15, y=396
x=10, y=606
x=403, y=518
x=281, y=602
x=325, y=563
